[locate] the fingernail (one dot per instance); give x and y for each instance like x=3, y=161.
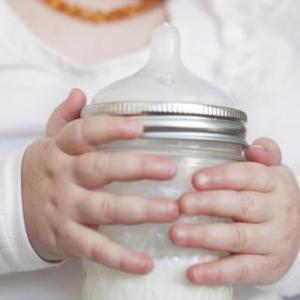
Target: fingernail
x=198, y=276
x=146, y=266
x=142, y=265
x=258, y=147
x=135, y=126
x=202, y=180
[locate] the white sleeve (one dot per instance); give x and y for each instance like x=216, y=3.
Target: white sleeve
x=16, y=252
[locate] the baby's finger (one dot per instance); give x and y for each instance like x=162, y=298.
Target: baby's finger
x=68, y=111
x=229, y=237
x=247, y=269
x=84, y=135
x=264, y=151
x=89, y=244
x=105, y=208
x=246, y=206
x=93, y=170
x=236, y=176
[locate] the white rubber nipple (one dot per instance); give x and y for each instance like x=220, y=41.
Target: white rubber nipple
x=165, y=54
x=165, y=47
x=164, y=78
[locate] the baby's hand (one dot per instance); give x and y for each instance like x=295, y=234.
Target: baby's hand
x=264, y=203
x=61, y=180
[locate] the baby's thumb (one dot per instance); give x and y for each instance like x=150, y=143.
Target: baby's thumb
x=66, y=112
x=264, y=151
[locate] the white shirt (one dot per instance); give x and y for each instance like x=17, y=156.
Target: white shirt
x=250, y=48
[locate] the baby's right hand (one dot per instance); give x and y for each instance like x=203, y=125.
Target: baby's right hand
x=61, y=180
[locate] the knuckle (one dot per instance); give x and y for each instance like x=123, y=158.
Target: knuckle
x=53, y=163
x=239, y=238
x=58, y=204
x=252, y=172
x=107, y=209
x=247, y=204
x=145, y=208
x=88, y=249
x=101, y=164
x=62, y=198
x=92, y=251
x=83, y=128
x=243, y=272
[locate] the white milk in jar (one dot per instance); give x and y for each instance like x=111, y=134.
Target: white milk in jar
x=189, y=120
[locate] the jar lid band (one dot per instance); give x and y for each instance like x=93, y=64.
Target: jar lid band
x=183, y=121
x=164, y=108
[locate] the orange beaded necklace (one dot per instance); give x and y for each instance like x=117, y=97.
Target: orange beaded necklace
x=99, y=16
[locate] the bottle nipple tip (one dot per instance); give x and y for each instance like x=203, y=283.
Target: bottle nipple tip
x=166, y=29
x=166, y=42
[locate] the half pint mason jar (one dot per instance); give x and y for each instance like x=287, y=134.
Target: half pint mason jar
x=192, y=122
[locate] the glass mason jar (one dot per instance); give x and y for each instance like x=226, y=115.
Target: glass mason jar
x=196, y=136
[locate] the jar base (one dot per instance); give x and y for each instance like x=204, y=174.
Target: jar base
x=166, y=282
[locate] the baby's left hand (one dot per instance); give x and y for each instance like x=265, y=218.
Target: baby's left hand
x=264, y=202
